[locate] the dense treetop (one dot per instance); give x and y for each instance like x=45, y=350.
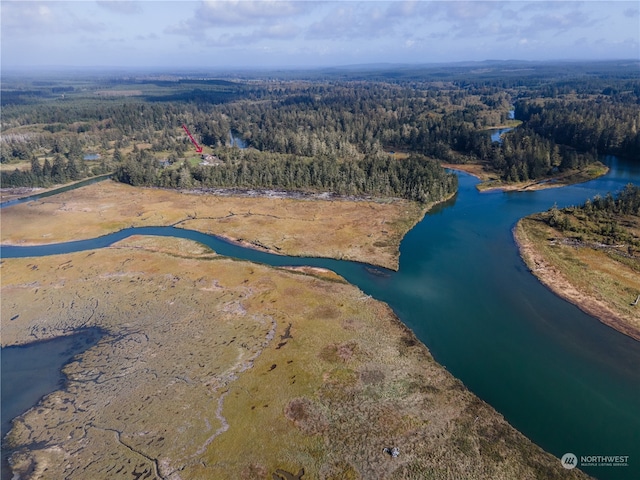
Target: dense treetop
x=350, y=132
x=601, y=220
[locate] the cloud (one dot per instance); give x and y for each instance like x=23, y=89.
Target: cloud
x=632, y=13
x=404, y=9
x=557, y=23
x=562, y=22
x=255, y=37
x=17, y=17
x=45, y=18
x=150, y=36
x=351, y=20
x=469, y=11
x=242, y=22
x=247, y=12
x=126, y=7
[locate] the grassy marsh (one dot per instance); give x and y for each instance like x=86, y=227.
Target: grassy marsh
x=220, y=369
x=602, y=280
x=368, y=231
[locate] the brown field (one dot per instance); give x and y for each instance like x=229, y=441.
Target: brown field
x=477, y=170
x=597, y=282
x=366, y=231
x=212, y=368
x=10, y=167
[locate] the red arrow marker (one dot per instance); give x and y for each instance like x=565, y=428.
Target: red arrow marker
x=198, y=147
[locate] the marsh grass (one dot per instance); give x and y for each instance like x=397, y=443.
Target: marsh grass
x=600, y=272
x=367, y=231
x=220, y=369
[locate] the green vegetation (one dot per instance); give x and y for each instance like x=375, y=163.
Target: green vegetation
x=63, y=169
x=370, y=132
x=415, y=178
x=601, y=220
x=606, y=122
x=590, y=255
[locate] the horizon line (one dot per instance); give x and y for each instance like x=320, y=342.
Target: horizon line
x=376, y=65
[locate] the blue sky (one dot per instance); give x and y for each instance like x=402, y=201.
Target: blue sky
x=218, y=34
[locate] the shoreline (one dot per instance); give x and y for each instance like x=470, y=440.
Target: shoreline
x=11, y=194
x=364, y=230
x=557, y=283
x=322, y=355
x=561, y=180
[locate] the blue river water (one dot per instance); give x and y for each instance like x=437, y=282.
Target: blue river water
x=558, y=375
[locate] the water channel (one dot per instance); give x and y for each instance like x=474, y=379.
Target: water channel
x=558, y=375
x=236, y=141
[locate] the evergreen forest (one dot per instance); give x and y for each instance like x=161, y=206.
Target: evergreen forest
x=602, y=216
x=381, y=133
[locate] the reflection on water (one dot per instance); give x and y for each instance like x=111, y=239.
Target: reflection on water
x=496, y=134
x=32, y=371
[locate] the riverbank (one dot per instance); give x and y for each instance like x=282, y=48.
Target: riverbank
x=364, y=230
x=18, y=193
x=490, y=181
x=587, y=277
x=213, y=368
x=14, y=193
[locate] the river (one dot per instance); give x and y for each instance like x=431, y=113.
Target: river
x=236, y=141
x=558, y=375
x=55, y=191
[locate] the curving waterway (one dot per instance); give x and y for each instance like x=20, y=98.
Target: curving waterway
x=558, y=375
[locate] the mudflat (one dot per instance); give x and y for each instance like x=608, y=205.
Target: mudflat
x=214, y=368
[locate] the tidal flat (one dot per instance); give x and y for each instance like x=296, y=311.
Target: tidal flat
x=214, y=368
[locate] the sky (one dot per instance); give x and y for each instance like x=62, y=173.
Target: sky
x=213, y=34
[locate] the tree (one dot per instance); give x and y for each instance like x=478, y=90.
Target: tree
x=71, y=170
x=36, y=170
x=58, y=174
x=185, y=179
x=47, y=169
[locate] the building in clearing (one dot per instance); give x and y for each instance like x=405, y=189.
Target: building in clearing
x=211, y=160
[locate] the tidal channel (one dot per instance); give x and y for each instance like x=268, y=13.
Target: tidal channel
x=568, y=382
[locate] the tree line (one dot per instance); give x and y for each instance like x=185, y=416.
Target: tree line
x=60, y=170
x=605, y=123
x=600, y=218
x=414, y=178
x=567, y=123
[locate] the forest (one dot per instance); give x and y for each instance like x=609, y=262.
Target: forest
x=377, y=133
x=602, y=219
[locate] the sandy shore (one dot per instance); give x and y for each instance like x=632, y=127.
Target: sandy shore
x=553, y=278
